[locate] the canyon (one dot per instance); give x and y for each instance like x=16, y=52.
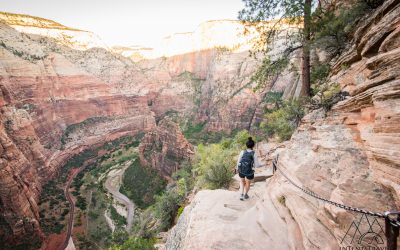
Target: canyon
x=62, y=91
x=352, y=152
x=165, y=148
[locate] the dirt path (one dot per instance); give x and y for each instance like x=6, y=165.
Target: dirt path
x=75, y=172
x=71, y=207
x=113, y=184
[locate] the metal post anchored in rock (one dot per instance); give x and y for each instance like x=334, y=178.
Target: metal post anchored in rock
x=274, y=162
x=392, y=229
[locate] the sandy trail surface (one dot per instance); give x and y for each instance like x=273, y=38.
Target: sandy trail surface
x=112, y=184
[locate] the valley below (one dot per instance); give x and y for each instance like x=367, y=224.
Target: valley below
x=112, y=184
x=121, y=148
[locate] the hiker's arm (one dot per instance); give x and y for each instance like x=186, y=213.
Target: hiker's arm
x=238, y=160
x=256, y=162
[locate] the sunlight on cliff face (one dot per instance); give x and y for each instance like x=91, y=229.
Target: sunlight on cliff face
x=70, y=37
x=223, y=35
x=226, y=35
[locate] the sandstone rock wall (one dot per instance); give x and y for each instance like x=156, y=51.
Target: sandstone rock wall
x=62, y=90
x=349, y=155
x=71, y=37
x=43, y=95
x=352, y=151
x=165, y=148
x=57, y=98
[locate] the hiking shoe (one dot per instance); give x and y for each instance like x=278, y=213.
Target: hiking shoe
x=246, y=196
x=241, y=197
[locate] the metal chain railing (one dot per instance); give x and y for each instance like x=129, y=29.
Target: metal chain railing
x=392, y=225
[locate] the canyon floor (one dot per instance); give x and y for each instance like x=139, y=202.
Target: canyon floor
x=65, y=98
x=112, y=184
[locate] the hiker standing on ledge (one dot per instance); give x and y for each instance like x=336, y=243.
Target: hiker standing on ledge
x=245, y=167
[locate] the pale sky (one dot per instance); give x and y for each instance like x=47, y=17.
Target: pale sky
x=128, y=22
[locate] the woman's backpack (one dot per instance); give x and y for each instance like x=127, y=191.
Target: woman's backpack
x=246, y=163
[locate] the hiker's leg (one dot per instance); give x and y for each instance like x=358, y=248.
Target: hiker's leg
x=247, y=186
x=242, y=185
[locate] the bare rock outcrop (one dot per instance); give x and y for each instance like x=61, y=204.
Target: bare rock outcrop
x=341, y=172
x=67, y=36
x=50, y=110
x=372, y=112
x=217, y=219
x=349, y=155
x=165, y=148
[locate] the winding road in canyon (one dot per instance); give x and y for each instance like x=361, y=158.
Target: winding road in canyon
x=71, y=202
x=112, y=184
x=71, y=208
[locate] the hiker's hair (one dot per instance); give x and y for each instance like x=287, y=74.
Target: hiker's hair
x=250, y=143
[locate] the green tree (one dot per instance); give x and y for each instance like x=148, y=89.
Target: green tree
x=134, y=243
x=166, y=207
x=141, y=183
x=214, y=163
x=284, y=120
x=306, y=24
x=290, y=16
x=273, y=99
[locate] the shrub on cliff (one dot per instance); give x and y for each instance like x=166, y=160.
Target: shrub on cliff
x=161, y=215
x=334, y=27
x=184, y=179
x=135, y=243
x=140, y=184
x=166, y=208
x=197, y=133
x=319, y=74
x=239, y=141
x=283, y=121
x=213, y=166
x=214, y=163
x=327, y=96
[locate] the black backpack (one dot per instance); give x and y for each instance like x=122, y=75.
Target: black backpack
x=246, y=163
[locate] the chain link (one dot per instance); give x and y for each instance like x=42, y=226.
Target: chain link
x=395, y=223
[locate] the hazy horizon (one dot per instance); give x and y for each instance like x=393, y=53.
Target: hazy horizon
x=141, y=23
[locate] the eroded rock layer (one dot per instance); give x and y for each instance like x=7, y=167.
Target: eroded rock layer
x=62, y=90
x=350, y=155
x=165, y=148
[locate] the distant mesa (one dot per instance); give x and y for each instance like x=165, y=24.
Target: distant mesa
x=70, y=37
x=33, y=21
x=226, y=34
x=223, y=34
x=135, y=52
